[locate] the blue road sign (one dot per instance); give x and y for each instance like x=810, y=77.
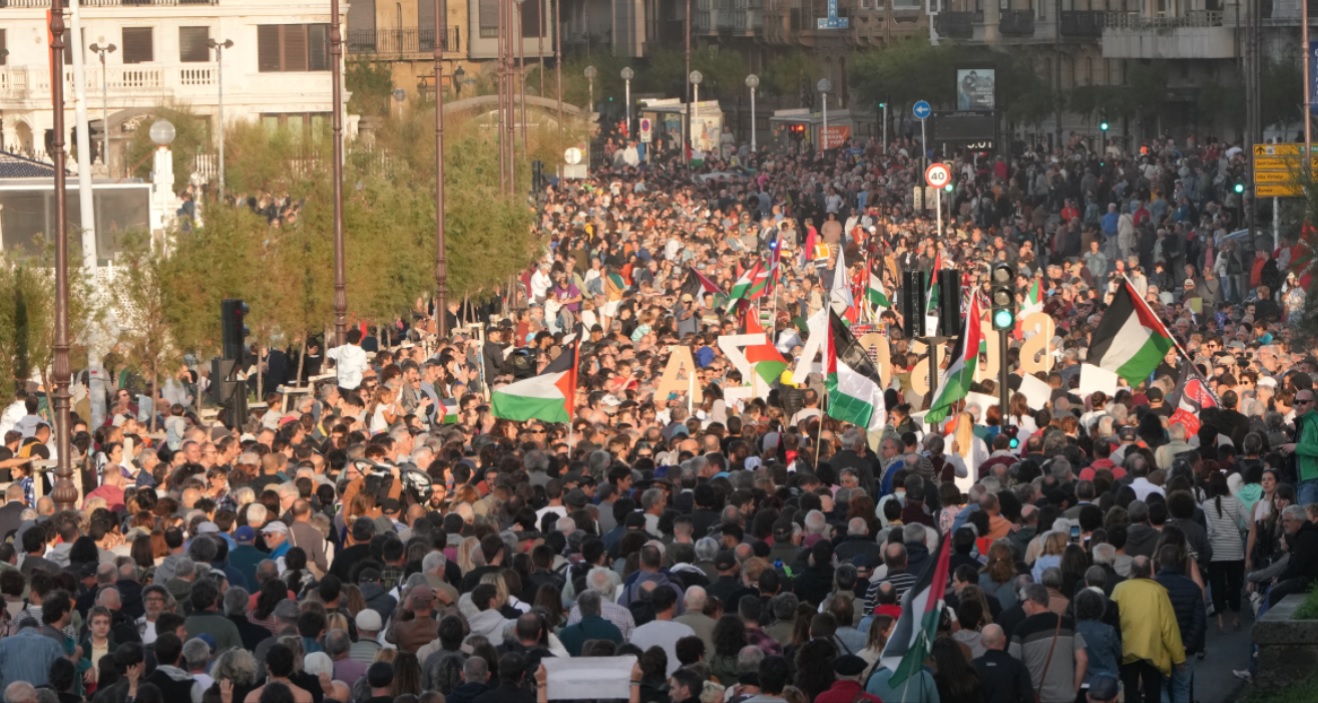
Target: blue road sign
x=922, y=109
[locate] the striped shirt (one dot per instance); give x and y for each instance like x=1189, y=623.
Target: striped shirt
x=1032, y=642
x=901, y=580
x=1224, y=529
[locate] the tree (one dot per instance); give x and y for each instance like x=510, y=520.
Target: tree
x=1282, y=92
x=785, y=73
x=145, y=339
x=371, y=85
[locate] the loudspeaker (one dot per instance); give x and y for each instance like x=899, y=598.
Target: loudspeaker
x=912, y=301
x=949, y=303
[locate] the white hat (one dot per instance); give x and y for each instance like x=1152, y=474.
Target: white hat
x=275, y=526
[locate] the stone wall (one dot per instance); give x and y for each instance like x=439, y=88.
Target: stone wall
x=1288, y=649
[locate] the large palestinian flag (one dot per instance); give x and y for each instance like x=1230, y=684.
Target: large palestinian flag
x=749, y=286
x=875, y=294
x=956, y=380
x=548, y=397
x=1130, y=340
x=697, y=283
x=855, y=391
x=913, y=637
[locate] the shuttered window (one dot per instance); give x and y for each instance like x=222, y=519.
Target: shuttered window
x=4, y=47
x=292, y=47
x=194, y=44
x=138, y=46
x=489, y=10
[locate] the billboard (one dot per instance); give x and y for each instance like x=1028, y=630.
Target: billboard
x=975, y=88
x=977, y=129
x=836, y=135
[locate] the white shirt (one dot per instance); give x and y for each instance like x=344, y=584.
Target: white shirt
x=1143, y=489
x=350, y=363
x=540, y=284
x=664, y=634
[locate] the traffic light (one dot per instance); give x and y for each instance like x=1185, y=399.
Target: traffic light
x=233, y=319
x=1104, y=125
x=1239, y=188
x=1003, y=297
x=949, y=187
x=1013, y=436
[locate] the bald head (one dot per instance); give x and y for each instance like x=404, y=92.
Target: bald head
x=695, y=599
x=994, y=637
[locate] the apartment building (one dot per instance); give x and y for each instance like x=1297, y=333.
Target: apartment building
x=277, y=70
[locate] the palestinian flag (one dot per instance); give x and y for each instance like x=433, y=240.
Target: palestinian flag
x=912, y=637
x=548, y=397
x=931, y=301
x=875, y=294
x=746, y=285
x=697, y=284
x=1194, y=397
x=765, y=359
x=761, y=284
x=855, y=391
x=956, y=380
x=448, y=414
x=1130, y=340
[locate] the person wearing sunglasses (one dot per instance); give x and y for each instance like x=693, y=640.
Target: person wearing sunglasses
x=1305, y=447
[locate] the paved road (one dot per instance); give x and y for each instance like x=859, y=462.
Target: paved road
x=1213, y=682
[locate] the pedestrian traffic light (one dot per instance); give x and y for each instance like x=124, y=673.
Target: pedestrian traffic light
x=1013, y=436
x=1003, y=295
x=1103, y=125
x=1240, y=188
x=233, y=319
x=949, y=187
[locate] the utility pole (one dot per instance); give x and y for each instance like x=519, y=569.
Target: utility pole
x=441, y=257
x=65, y=494
x=336, y=129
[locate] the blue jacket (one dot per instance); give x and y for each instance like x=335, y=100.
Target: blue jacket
x=1188, y=602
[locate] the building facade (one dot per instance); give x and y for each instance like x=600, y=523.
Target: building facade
x=277, y=70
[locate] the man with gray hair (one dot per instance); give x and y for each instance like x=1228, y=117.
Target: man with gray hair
x=695, y=617
x=857, y=457
x=1302, y=568
x=338, y=645
x=590, y=625
x=1049, y=647
x=604, y=581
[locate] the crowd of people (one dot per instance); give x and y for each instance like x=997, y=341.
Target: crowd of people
x=389, y=538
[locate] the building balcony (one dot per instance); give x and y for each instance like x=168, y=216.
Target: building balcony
x=1199, y=34
x=401, y=42
x=45, y=4
x=1016, y=23
x=957, y=25
x=22, y=83
x=1083, y=24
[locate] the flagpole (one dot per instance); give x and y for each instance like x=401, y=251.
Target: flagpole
x=823, y=375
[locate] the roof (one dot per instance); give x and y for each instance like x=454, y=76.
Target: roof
x=15, y=166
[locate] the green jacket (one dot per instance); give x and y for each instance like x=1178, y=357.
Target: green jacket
x=1306, y=447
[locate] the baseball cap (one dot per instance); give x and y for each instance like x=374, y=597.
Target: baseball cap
x=207, y=528
x=275, y=526
x=421, y=595
x=369, y=620
x=725, y=560
x=244, y=534
x=849, y=665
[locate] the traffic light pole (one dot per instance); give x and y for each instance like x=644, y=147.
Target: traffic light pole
x=1003, y=347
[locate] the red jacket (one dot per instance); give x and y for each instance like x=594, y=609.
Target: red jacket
x=846, y=692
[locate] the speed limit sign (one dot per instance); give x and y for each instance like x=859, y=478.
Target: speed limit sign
x=937, y=175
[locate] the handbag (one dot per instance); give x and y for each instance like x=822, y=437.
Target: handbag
x=1049, y=661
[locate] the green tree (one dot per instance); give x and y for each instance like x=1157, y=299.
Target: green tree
x=371, y=84
x=192, y=137
x=145, y=339
x=784, y=74
x=1282, y=92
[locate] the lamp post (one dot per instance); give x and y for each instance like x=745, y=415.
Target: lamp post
x=441, y=258
x=696, y=77
x=590, y=82
x=627, y=75
x=558, y=58
x=458, y=75
x=824, y=87
x=519, y=35
x=753, y=82
x=219, y=47
x=64, y=495
x=336, y=129
x=101, y=51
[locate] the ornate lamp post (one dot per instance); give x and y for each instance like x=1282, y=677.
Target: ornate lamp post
x=824, y=87
x=219, y=47
x=696, y=79
x=627, y=75
x=65, y=494
x=441, y=259
x=753, y=82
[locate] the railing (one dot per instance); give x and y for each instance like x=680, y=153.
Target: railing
x=18, y=81
x=960, y=25
x=1016, y=23
x=45, y=4
x=408, y=40
x=1194, y=18
x=1083, y=23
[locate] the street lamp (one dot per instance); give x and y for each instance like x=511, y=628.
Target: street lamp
x=219, y=47
x=105, y=103
x=520, y=33
x=627, y=75
x=824, y=87
x=441, y=256
x=590, y=80
x=696, y=78
x=458, y=75
x=753, y=82
x=65, y=494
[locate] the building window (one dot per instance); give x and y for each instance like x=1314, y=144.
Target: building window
x=530, y=12
x=284, y=48
x=4, y=47
x=489, y=18
x=302, y=123
x=138, y=47
x=194, y=44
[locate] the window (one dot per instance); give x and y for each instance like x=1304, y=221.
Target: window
x=302, y=123
x=137, y=46
x=292, y=47
x=194, y=44
x=489, y=16
x=4, y=47
x=530, y=18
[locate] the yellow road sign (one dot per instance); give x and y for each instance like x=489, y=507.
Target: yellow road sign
x=1278, y=149
x=1282, y=163
x=1284, y=190
x=1275, y=177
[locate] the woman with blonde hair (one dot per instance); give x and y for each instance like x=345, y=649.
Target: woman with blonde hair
x=998, y=577
x=469, y=554
x=1054, y=543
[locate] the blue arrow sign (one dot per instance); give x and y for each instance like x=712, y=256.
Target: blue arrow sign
x=832, y=21
x=922, y=109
